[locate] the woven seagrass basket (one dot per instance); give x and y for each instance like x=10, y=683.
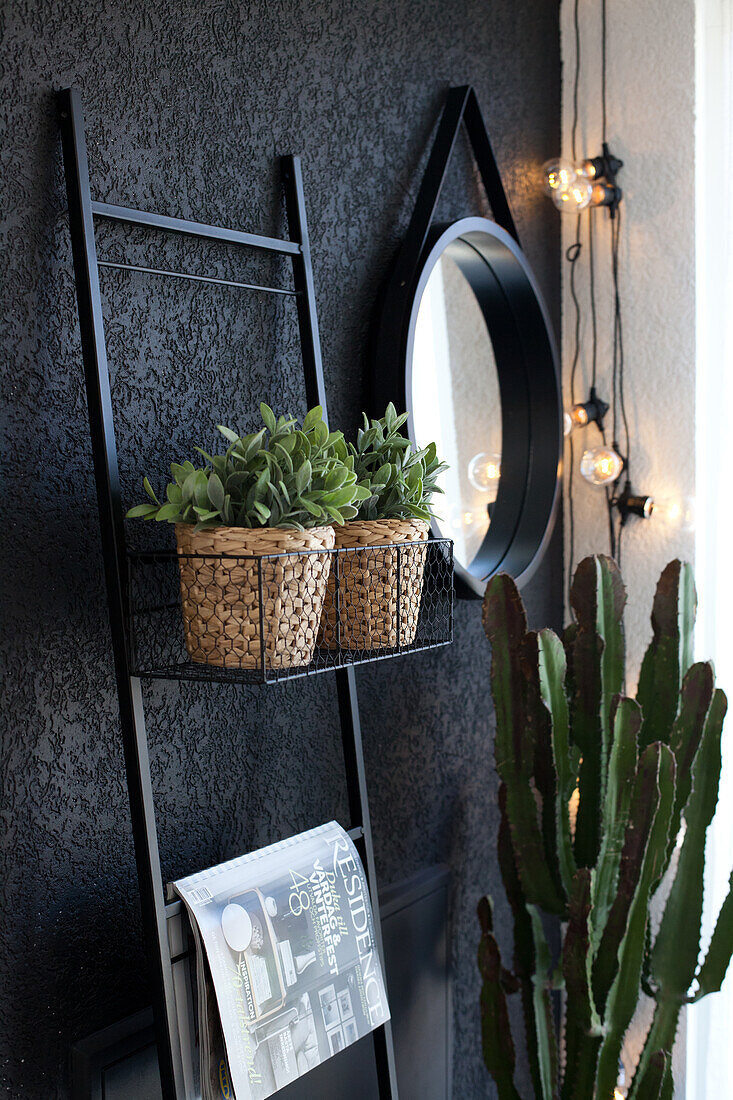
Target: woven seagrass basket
x=369, y=591
x=229, y=587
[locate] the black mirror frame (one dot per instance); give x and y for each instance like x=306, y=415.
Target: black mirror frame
x=489, y=256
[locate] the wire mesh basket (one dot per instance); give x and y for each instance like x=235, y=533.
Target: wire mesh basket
x=275, y=616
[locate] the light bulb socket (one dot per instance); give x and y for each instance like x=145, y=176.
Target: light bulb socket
x=630, y=503
x=607, y=194
x=606, y=166
x=591, y=411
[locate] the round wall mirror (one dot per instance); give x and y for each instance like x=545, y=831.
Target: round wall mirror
x=481, y=380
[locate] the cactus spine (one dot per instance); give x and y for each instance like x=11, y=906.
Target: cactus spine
x=636, y=771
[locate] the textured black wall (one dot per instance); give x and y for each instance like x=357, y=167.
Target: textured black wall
x=187, y=106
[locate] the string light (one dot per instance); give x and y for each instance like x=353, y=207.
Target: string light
x=484, y=471
x=675, y=512
x=591, y=411
x=574, y=186
x=601, y=465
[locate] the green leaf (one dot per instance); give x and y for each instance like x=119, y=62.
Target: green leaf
x=228, y=433
x=268, y=417
x=169, y=512
x=216, y=491
x=201, y=489
x=262, y=511
x=142, y=510
x=312, y=417
x=303, y=477
x=149, y=490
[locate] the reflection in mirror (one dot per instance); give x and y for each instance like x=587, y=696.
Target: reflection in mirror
x=455, y=401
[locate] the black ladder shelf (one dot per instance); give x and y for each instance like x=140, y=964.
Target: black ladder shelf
x=163, y=921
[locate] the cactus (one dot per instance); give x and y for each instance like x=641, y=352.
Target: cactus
x=636, y=771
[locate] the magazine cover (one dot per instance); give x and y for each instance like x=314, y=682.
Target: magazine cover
x=288, y=970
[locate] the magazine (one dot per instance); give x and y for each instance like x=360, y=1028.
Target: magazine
x=287, y=967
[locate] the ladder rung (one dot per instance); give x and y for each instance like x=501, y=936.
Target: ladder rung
x=195, y=278
x=193, y=229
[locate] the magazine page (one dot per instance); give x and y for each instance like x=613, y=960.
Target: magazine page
x=285, y=940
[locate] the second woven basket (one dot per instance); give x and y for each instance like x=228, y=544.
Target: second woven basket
x=380, y=574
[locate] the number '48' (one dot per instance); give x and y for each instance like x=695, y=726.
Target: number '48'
x=299, y=898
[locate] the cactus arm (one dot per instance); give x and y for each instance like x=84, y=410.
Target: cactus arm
x=505, y=624
x=523, y=939
x=544, y=1025
x=621, y=771
x=676, y=949
x=552, y=668
x=655, y=785
x=644, y=800
x=660, y=1040
x=711, y=974
x=650, y=1086
x=545, y=772
x=496, y=1036
x=697, y=693
x=670, y=652
x=597, y=596
x=582, y=1025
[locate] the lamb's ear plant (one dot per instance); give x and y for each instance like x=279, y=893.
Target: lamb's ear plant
x=400, y=481
x=601, y=797
x=282, y=475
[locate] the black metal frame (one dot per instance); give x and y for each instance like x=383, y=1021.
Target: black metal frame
x=489, y=255
x=156, y=914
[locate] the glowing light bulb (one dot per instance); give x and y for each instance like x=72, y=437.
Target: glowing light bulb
x=579, y=416
x=484, y=471
x=567, y=423
x=559, y=175
x=601, y=465
x=677, y=512
x=575, y=197
x=618, y=1095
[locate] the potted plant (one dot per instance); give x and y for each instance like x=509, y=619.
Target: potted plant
x=395, y=512
x=274, y=492
x=602, y=797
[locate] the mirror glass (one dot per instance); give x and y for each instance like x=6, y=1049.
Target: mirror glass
x=456, y=403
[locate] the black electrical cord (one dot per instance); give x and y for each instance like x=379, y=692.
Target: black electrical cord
x=593, y=314
x=576, y=82
x=573, y=255
x=603, y=68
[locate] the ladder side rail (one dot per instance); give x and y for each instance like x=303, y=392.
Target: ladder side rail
x=348, y=702
x=104, y=452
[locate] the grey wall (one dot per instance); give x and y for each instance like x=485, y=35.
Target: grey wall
x=187, y=106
